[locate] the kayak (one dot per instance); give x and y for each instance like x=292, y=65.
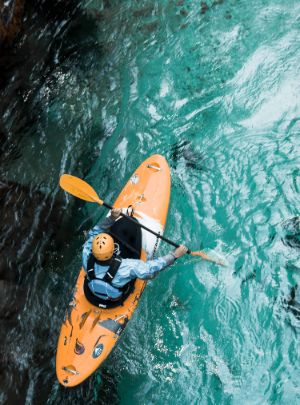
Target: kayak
x=90, y=331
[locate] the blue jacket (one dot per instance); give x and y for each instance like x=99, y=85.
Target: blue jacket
x=130, y=268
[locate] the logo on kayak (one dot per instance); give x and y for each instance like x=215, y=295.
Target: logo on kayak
x=134, y=179
x=97, y=350
x=79, y=348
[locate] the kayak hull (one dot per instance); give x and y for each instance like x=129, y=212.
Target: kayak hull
x=89, y=333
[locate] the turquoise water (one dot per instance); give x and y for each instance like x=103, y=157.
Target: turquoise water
x=216, y=92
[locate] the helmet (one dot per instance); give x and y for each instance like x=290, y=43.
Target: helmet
x=103, y=246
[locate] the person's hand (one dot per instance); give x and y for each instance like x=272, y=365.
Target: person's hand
x=180, y=251
x=116, y=212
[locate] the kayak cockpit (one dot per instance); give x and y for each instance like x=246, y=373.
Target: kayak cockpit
x=128, y=235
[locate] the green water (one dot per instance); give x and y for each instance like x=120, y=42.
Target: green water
x=216, y=93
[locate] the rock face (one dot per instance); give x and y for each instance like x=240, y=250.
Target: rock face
x=35, y=39
x=26, y=57
x=292, y=229
x=293, y=303
x=29, y=218
x=11, y=13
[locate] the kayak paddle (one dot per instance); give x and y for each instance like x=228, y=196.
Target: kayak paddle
x=81, y=189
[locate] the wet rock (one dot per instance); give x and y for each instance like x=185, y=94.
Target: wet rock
x=143, y=12
x=204, y=7
x=249, y=277
x=184, y=152
x=293, y=303
x=292, y=225
x=291, y=228
x=23, y=63
x=11, y=13
x=34, y=226
x=292, y=241
x=184, y=12
x=228, y=15
x=150, y=27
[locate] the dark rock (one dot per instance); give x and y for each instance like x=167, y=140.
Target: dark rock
x=293, y=303
x=184, y=152
x=184, y=12
x=292, y=241
x=249, y=277
x=143, y=12
x=24, y=62
x=204, y=7
x=228, y=15
x=150, y=27
x=292, y=225
x=291, y=228
x=11, y=14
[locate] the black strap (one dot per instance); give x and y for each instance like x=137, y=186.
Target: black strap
x=91, y=267
x=114, y=265
x=113, y=268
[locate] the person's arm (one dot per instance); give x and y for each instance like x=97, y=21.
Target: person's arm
x=148, y=270
x=103, y=226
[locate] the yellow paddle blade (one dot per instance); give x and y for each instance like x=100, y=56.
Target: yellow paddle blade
x=209, y=259
x=79, y=188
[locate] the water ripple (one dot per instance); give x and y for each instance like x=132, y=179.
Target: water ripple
x=214, y=87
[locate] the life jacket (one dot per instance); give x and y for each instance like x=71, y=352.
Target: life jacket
x=103, y=287
x=129, y=237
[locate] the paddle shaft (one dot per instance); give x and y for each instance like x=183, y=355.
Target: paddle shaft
x=146, y=228
x=81, y=189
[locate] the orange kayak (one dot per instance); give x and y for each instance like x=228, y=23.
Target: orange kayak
x=89, y=333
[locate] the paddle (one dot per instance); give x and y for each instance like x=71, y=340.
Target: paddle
x=81, y=189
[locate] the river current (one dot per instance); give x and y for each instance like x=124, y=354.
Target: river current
x=214, y=87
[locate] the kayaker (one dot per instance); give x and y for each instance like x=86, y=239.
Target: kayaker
x=107, y=273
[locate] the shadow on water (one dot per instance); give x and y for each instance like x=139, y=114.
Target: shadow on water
x=38, y=233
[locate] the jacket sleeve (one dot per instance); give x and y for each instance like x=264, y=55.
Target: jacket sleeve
x=103, y=226
x=150, y=269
